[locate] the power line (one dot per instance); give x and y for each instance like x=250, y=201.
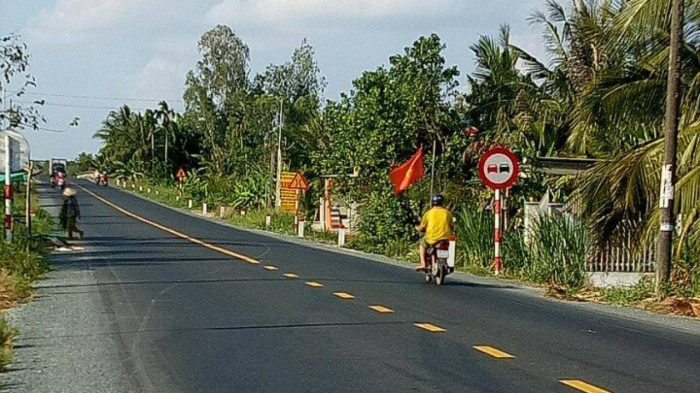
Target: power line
x=101, y=98
x=78, y=106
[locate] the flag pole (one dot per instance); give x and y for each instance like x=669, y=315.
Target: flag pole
x=432, y=171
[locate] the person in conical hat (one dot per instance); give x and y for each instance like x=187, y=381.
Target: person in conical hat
x=70, y=213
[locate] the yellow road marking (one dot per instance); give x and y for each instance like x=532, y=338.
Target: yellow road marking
x=344, y=295
x=314, y=284
x=497, y=353
x=583, y=386
x=290, y=275
x=271, y=268
x=381, y=309
x=430, y=327
x=172, y=231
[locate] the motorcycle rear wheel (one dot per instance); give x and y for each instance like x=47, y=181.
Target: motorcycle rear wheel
x=440, y=276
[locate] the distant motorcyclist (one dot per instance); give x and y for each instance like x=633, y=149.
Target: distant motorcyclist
x=437, y=224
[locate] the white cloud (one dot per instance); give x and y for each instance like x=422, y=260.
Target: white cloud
x=76, y=20
x=160, y=78
x=290, y=11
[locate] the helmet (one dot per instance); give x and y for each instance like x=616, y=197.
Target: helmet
x=437, y=200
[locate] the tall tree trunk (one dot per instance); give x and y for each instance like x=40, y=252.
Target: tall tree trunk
x=668, y=178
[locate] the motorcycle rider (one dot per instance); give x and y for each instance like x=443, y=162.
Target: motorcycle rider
x=437, y=224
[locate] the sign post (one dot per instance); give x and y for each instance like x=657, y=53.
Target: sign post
x=498, y=170
x=181, y=176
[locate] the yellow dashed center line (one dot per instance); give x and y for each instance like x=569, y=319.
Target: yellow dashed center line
x=172, y=231
x=583, y=386
x=290, y=275
x=271, y=268
x=429, y=327
x=343, y=295
x=495, y=352
x=381, y=309
x=314, y=284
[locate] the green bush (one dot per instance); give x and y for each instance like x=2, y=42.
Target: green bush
x=556, y=252
x=386, y=221
x=474, y=231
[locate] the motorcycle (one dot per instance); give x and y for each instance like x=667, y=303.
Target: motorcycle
x=61, y=183
x=439, y=263
x=102, y=180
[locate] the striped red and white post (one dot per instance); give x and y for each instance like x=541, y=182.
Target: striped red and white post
x=497, y=232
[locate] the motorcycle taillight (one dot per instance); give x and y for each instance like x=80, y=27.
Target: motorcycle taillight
x=443, y=245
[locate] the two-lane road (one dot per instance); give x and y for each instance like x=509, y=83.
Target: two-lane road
x=190, y=316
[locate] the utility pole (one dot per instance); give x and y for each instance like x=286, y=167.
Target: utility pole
x=8, y=188
x=432, y=170
x=278, y=186
x=668, y=172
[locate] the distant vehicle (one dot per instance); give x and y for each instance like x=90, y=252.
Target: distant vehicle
x=57, y=166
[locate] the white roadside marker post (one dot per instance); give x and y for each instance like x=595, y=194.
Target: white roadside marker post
x=189, y=204
x=222, y=211
x=268, y=220
x=204, y=208
x=341, y=236
x=300, y=228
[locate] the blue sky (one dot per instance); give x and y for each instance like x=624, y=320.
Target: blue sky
x=141, y=49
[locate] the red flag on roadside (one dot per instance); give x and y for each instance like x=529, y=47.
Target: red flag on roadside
x=405, y=175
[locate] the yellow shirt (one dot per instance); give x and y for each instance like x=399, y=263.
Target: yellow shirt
x=438, y=224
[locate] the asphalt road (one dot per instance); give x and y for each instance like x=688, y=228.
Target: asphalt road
x=189, y=318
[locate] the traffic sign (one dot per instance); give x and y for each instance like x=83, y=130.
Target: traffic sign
x=499, y=168
x=299, y=182
x=181, y=175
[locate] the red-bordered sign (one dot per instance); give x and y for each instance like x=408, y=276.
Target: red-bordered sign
x=499, y=168
x=181, y=175
x=298, y=182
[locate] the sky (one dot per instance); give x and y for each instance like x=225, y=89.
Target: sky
x=92, y=56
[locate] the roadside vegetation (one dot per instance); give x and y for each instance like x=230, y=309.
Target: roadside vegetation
x=22, y=263
x=599, y=94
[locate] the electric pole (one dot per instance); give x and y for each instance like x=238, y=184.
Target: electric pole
x=668, y=172
x=278, y=186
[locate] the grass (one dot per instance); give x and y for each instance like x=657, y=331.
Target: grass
x=7, y=337
x=628, y=296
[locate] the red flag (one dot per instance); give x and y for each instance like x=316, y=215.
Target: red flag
x=405, y=175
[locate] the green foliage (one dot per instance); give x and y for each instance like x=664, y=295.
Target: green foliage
x=474, y=231
x=386, y=219
x=555, y=252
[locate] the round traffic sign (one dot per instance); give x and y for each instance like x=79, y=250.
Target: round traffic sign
x=499, y=168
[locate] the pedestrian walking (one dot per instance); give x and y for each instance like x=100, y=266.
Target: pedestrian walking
x=70, y=213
